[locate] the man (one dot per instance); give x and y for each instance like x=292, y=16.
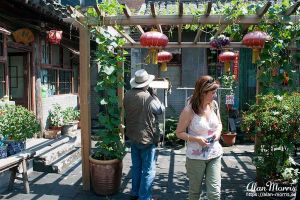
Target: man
x=141, y=107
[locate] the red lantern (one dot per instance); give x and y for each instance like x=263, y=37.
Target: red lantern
x=154, y=40
x=54, y=36
x=164, y=57
x=226, y=57
x=256, y=40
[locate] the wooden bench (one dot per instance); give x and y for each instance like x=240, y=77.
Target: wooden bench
x=12, y=163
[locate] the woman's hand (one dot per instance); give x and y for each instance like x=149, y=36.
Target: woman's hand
x=217, y=136
x=202, y=141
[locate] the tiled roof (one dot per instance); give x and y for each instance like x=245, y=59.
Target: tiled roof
x=48, y=7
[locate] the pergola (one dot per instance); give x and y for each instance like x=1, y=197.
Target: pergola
x=141, y=21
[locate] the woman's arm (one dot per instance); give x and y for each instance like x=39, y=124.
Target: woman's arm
x=218, y=132
x=184, y=121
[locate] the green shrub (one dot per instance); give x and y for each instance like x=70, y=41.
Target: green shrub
x=170, y=133
x=55, y=117
x=275, y=120
x=18, y=123
x=70, y=115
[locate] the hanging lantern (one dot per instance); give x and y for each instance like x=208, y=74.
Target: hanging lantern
x=226, y=57
x=256, y=40
x=54, y=36
x=154, y=40
x=164, y=57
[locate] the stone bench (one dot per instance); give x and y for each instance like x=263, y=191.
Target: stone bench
x=12, y=163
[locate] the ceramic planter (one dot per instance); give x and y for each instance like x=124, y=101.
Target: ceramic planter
x=229, y=138
x=14, y=147
x=69, y=128
x=3, y=151
x=105, y=175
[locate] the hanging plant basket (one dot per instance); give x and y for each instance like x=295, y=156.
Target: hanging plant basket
x=219, y=42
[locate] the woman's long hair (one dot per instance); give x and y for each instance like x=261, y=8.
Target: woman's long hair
x=203, y=85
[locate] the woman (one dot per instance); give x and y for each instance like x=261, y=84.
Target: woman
x=202, y=119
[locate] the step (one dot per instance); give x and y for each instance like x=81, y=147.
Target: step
x=41, y=145
x=63, y=162
x=55, y=152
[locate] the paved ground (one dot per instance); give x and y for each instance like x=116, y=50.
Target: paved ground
x=170, y=182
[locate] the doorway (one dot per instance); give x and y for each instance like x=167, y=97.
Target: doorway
x=18, y=78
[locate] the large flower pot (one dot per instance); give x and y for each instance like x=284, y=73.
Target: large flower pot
x=229, y=138
x=14, y=147
x=69, y=128
x=3, y=151
x=105, y=175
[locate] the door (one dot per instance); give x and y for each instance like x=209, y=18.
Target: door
x=18, y=78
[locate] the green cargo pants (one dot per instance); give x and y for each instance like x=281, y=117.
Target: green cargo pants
x=196, y=169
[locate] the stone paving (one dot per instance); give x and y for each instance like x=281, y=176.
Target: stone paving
x=170, y=182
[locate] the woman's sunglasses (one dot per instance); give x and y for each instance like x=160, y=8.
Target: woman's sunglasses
x=210, y=81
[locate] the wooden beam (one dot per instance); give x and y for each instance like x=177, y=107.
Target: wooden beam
x=264, y=9
x=179, y=33
x=159, y=29
x=208, y=8
x=260, y=13
x=74, y=11
x=207, y=13
x=221, y=29
x=121, y=95
x=140, y=29
x=126, y=11
x=153, y=11
x=154, y=15
x=188, y=45
x=180, y=9
x=84, y=100
x=125, y=35
x=292, y=9
x=175, y=20
x=98, y=11
x=199, y=32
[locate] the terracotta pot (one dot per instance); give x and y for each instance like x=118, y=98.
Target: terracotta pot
x=229, y=138
x=105, y=175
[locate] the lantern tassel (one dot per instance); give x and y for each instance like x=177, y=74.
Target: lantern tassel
x=227, y=66
x=154, y=57
x=163, y=67
x=255, y=56
x=148, y=59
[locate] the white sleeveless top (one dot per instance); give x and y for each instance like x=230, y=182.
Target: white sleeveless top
x=200, y=126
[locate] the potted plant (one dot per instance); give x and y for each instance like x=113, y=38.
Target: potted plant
x=275, y=121
x=70, y=120
x=228, y=84
x=17, y=124
x=106, y=159
x=219, y=42
x=55, y=121
x=3, y=147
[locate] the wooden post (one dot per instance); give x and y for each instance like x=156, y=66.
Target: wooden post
x=121, y=94
x=84, y=96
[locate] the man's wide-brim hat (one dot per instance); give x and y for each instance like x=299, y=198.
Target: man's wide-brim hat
x=141, y=79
